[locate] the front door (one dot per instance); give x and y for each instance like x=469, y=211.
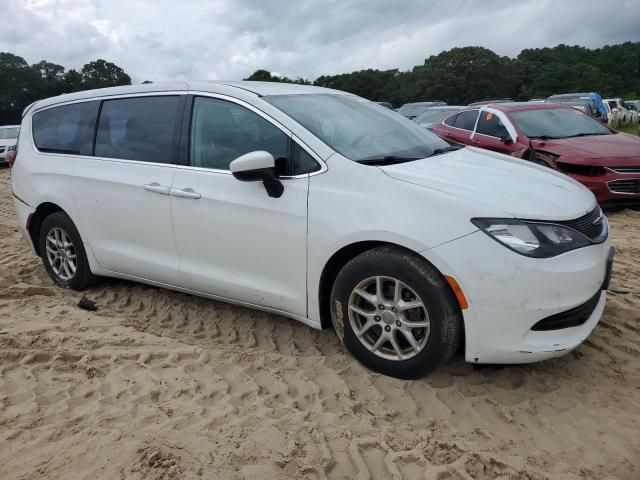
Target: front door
x=234, y=240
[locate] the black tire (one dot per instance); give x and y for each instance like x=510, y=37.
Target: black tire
x=82, y=277
x=416, y=273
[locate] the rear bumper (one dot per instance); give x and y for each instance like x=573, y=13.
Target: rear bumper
x=508, y=294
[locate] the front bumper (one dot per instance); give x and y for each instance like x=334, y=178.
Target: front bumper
x=613, y=188
x=509, y=293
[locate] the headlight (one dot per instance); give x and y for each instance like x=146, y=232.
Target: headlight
x=533, y=239
x=12, y=148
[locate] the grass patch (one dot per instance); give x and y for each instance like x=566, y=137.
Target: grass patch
x=633, y=129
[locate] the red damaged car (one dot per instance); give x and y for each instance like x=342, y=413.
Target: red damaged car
x=556, y=136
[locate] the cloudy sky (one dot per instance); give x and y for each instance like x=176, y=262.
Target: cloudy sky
x=229, y=39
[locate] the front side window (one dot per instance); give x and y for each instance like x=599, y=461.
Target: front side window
x=557, y=123
x=356, y=128
x=66, y=129
x=141, y=128
x=222, y=131
x=490, y=124
x=466, y=120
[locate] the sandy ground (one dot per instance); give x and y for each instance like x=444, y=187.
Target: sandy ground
x=200, y=389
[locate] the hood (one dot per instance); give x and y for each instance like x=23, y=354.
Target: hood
x=622, y=148
x=517, y=187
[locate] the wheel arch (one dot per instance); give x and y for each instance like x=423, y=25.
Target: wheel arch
x=340, y=258
x=35, y=221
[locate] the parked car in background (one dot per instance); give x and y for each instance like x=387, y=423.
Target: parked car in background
x=555, y=136
x=495, y=100
x=632, y=105
x=314, y=204
x=594, y=98
x=8, y=140
x=386, y=105
x=584, y=105
x=415, y=109
x=435, y=114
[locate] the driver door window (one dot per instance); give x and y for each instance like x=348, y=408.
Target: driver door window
x=221, y=131
x=490, y=124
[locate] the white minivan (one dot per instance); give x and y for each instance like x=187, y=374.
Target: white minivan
x=318, y=205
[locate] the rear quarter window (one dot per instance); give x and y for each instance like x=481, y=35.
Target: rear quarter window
x=66, y=129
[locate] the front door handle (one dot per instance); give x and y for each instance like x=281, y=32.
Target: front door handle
x=185, y=193
x=157, y=188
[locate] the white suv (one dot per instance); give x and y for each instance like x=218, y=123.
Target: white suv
x=8, y=140
x=317, y=205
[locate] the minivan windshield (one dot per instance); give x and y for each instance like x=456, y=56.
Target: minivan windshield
x=358, y=129
x=557, y=123
x=7, y=133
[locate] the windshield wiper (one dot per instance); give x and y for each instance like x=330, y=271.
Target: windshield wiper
x=440, y=151
x=387, y=160
x=545, y=137
x=590, y=134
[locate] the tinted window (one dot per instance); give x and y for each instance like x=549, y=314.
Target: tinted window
x=142, y=128
x=222, y=131
x=303, y=162
x=66, y=129
x=466, y=120
x=490, y=124
x=451, y=121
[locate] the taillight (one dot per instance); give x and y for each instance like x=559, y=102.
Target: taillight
x=11, y=157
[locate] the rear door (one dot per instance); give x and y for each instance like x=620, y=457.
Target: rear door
x=234, y=240
x=122, y=192
x=458, y=127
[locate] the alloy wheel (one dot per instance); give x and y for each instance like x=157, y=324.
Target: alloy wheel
x=389, y=318
x=61, y=254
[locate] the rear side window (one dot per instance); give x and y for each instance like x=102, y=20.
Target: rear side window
x=451, y=121
x=466, y=120
x=66, y=129
x=142, y=129
x=490, y=124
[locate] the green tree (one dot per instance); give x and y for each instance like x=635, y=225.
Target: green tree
x=101, y=74
x=20, y=85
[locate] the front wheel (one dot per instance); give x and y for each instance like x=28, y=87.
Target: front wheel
x=63, y=253
x=395, y=313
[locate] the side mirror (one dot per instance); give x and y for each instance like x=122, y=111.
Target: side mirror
x=506, y=139
x=258, y=166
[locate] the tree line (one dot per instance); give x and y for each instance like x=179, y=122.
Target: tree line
x=457, y=76
x=468, y=74
x=21, y=83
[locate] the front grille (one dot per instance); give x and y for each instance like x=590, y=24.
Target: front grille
x=590, y=225
x=631, y=186
x=625, y=169
x=571, y=318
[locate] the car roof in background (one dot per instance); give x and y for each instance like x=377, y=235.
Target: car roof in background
x=561, y=95
x=238, y=89
x=9, y=126
x=517, y=106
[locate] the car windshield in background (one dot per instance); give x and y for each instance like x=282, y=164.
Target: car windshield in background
x=7, y=133
x=358, y=129
x=433, y=115
x=557, y=123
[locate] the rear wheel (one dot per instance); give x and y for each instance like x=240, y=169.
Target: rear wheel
x=63, y=253
x=395, y=313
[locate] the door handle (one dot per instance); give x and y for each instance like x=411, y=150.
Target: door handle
x=157, y=188
x=185, y=193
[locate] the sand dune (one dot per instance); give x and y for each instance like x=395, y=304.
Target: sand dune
x=162, y=385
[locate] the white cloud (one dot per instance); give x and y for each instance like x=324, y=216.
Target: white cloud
x=203, y=39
